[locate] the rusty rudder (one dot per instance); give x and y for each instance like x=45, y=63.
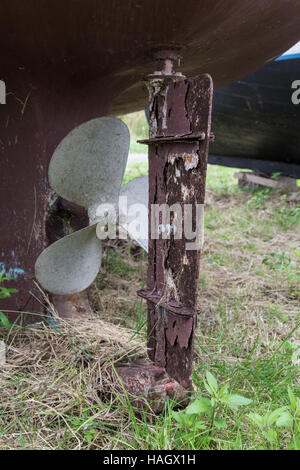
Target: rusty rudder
x=180, y=118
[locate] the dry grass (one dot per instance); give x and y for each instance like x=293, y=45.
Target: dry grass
x=238, y=292
x=56, y=389
x=57, y=381
x=250, y=287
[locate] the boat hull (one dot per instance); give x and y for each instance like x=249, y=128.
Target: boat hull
x=256, y=121
x=64, y=63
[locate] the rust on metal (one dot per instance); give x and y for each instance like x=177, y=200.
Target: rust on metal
x=180, y=116
x=163, y=140
x=55, y=84
x=148, y=383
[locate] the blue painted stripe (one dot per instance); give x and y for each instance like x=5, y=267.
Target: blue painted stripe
x=288, y=57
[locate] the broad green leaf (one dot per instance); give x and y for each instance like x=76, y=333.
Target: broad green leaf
x=239, y=400
x=4, y=321
x=256, y=419
x=285, y=420
x=223, y=391
x=212, y=382
x=200, y=406
x=189, y=421
x=220, y=423
x=271, y=417
x=178, y=416
x=184, y=420
x=225, y=399
x=213, y=402
x=200, y=425
x=4, y=293
x=208, y=389
x=270, y=435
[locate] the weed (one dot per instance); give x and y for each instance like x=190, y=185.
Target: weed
x=5, y=293
x=258, y=200
x=247, y=337
x=287, y=417
x=205, y=416
x=215, y=259
x=277, y=262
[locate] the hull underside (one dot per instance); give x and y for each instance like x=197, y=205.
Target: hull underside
x=64, y=63
x=256, y=122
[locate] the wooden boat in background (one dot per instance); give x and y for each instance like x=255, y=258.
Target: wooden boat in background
x=65, y=62
x=256, y=120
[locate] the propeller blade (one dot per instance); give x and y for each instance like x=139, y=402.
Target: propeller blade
x=135, y=221
x=71, y=264
x=88, y=165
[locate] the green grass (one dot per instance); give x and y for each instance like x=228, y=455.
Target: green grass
x=264, y=382
x=250, y=268
x=248, y=337
x=134, y=170
x=139, y=129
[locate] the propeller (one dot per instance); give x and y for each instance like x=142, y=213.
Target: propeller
x=135, y=219
x=86, y=168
